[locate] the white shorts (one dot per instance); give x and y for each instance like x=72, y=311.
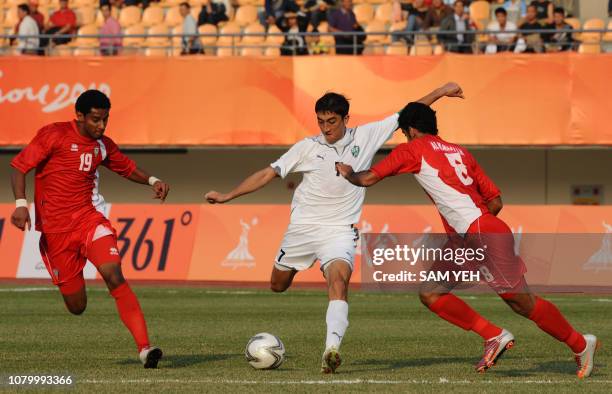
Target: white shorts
x=304, y=244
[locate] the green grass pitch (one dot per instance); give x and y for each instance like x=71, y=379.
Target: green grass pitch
x=393, y=343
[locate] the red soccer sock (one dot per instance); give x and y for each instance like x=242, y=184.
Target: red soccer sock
x=455, y=311
x=131, y=314
x=546, y=315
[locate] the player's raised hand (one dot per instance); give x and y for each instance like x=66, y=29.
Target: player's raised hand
x=21, y=218
x=161, y=190
x=344, y=169
x=453, y=89
x=214, y=197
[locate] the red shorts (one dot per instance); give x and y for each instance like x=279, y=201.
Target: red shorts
x=65, y=254
x=500, y=267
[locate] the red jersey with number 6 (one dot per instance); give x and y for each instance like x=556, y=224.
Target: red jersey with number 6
x=66, y=185
x=450, y=176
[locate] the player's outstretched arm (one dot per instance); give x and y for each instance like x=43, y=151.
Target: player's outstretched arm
x=160, y=188
x=362, y=178
x=451, y=89
x=21, y=216
x=252, y=183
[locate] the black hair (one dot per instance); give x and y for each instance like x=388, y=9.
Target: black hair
x=559, y=10
x=501, y=10
x=333, y=102
x=185, y=4
x=419, y=116
x=459, y=1
x=91, y=99
x=24, y=8
x=105, y=3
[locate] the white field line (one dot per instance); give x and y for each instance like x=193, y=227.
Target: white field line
x=441, y=381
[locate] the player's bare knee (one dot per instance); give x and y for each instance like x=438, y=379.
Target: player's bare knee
x=278, y=287
x=77, y=308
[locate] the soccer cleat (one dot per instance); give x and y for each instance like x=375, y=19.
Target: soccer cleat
x=331, y=360
x=150, y=356
x=584, y=360
x=494, y=348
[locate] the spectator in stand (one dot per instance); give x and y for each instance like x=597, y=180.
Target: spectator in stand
x=516, y=9
x=301, y=9
x=561, y=40
x=26, y=27
x=344, y=20
x=533, y=41
x=501, y=42
x=109, y=46
x=416, y=12
x=62, y=22
x=212, y=13
x=273, y=12
x=36, y=15
x=459, y=21
x=545, y=11
x=321, y=10
x=438, y=12
x=294, y=44
x=191, y=44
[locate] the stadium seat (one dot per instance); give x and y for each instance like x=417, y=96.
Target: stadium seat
x=272, y=51
x=242, y=3
x=274, y=39
x=591, y=47
x=177, y=41
x=480, y=11
x=159, y=52
x=229, y=28
x=251, y=29
x=325, y=38
x=364, y=13
x=62, y=50
x=376, y=1
x=10, y=18
x=397, y=48
x=152, y=15
x=575, y=24
x=85, y=52
x=172, y=3
x=129, y=16
x=225, y=51
x=608, y=36
x=421, y=48
x=384, y=12
x=195, y=11
x=87, y=30
x=376, y=26
x=83, y=3
x=86, y=15
x=245, y=15
x=594, y=23
x=208, y=29
x=438, y=49
x=157, y=41
x=251, y=51
x=133, y=42
x=173, y=17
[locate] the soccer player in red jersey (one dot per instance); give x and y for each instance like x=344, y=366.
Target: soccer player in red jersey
x=66, y=156
x=468, y=202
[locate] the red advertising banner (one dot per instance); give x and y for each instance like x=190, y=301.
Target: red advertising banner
x=550, y=99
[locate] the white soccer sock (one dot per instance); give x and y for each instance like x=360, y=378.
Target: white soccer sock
x=337, y=322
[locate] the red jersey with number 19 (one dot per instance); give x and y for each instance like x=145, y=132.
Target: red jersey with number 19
x=66, y=186
x=448, y=173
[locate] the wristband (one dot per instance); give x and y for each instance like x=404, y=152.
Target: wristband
x=21, y=202
x=152, y=180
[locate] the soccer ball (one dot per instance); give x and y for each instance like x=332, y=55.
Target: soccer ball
x=265, y=351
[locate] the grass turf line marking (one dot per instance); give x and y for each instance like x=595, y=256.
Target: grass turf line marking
x=441, y=381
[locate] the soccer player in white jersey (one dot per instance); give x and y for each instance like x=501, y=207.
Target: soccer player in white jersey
x=325, y=207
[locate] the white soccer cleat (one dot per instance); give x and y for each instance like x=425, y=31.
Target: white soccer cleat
x=493, y=350
x=331, y=360
x=585, y=359
x=150, y=356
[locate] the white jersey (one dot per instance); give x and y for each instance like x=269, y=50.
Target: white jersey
x=323, y=197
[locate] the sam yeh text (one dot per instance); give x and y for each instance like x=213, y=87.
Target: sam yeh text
x=427, y=276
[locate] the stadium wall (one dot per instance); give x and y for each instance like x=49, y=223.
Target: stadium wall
x=526, y=176
x=269, y=101
x=239, y=242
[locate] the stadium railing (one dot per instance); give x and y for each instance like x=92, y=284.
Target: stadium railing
x=358, y=42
